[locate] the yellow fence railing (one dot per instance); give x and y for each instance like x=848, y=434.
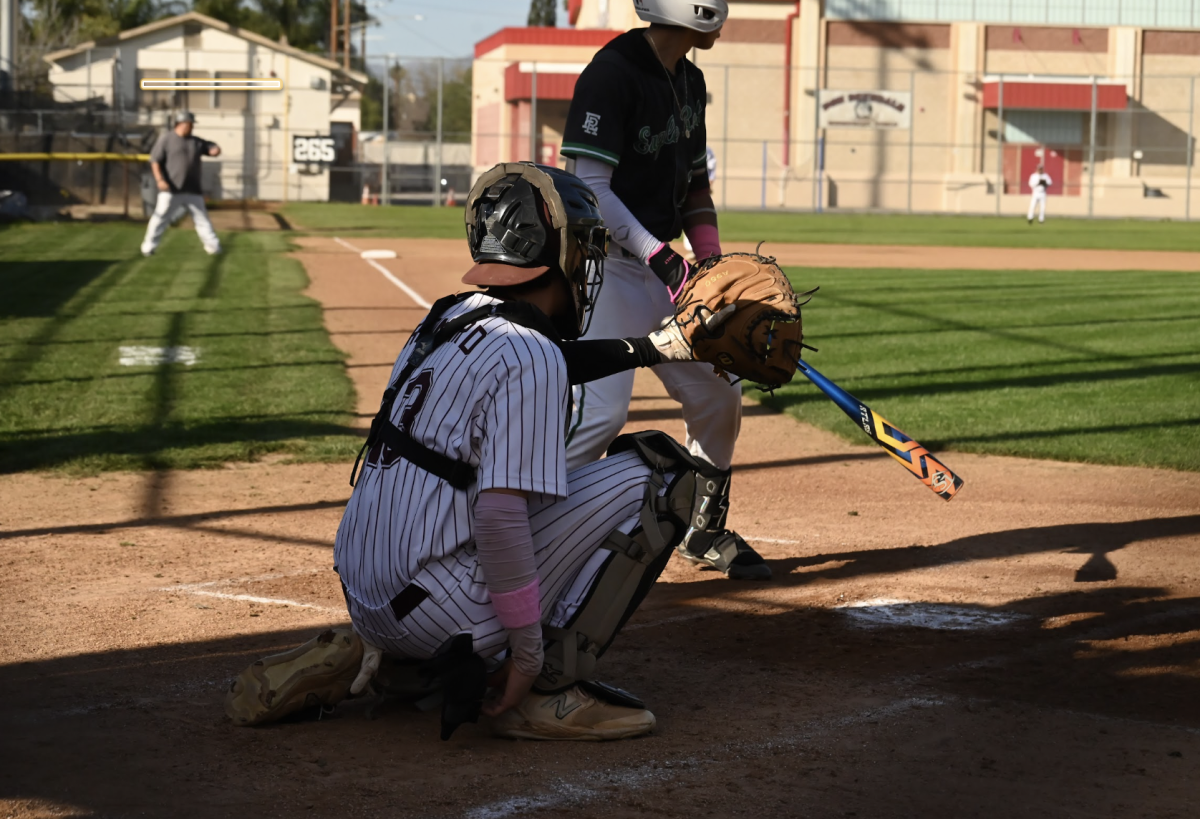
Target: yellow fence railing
x=91, y=157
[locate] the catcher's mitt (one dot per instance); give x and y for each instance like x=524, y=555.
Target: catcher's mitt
x=762, y=340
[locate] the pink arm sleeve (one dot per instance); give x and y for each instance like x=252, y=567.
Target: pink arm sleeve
x=505, y=552
x=705, y=241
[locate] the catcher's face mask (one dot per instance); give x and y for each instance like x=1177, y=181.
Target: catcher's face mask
x=587, y=278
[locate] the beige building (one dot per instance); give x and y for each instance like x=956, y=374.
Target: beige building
x=922, y=105
x=255, y=129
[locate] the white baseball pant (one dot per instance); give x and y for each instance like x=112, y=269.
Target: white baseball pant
x=1037, y=197
x=633, y=302
x=164, y=209
x=604, y=495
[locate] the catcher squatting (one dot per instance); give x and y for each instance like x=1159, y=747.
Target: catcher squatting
x=470, y=557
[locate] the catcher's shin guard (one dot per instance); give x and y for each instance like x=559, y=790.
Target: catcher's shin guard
x=636, y=561
x=707, y=541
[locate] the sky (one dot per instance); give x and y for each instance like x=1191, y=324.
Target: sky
x=450, y=28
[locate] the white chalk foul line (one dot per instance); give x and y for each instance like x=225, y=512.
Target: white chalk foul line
x=205, y=590
x=408, y=291
x=250, y=598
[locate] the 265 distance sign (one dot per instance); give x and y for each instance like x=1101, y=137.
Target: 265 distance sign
x=865, y=109
x=306, y=149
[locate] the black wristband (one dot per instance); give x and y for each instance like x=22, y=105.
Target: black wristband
x=599, y=358
x=669, y=266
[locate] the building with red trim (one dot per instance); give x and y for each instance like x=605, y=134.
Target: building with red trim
x=841, y=104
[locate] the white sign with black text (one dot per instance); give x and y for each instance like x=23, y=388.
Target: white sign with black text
x=865, y=109
x=313, y=149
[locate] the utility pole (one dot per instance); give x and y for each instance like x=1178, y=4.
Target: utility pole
x=333, y=30
x=8, y=49
x=346, y=50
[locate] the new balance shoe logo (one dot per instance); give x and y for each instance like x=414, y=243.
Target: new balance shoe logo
x=561, y=706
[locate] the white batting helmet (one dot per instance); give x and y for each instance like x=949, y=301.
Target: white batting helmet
x=699, y=15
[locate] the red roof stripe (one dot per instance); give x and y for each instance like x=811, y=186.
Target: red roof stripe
x=1055, y=96
x=546, y=35
x=518, y=85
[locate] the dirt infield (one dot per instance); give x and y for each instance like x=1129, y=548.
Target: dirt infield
x=1031, y=649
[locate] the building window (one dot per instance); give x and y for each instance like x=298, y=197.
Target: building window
x=153, y=99
x=236, y=100
x=197, y=99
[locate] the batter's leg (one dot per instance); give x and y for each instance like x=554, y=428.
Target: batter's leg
x=712, y=409
x=632, y=303
x=159, y=222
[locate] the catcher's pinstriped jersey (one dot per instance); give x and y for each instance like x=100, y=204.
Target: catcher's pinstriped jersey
x=495, y=397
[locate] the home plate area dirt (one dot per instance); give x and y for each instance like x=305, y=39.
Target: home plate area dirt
x=1031, y=649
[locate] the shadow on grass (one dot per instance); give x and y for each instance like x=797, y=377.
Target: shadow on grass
x=788, y=397
x=103, y=276
x=31, y=289
x=151, y=446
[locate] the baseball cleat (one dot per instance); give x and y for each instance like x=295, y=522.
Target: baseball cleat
x=572, y=714
x=727, y=552
x=317, y=673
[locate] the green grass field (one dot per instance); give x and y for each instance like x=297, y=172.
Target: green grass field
x=268, y=378
x=1080, y=366
x=827, y=228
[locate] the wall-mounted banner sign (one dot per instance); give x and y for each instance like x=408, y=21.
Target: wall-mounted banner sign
x=864, y=109
x=313, y=149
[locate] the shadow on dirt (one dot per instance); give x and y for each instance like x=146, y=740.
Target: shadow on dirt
x=136, y=730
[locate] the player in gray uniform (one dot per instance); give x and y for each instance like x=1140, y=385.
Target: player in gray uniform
x=637, y=136
x=467, y=542
x=175, y=161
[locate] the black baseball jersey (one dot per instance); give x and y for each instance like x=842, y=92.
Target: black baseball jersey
x=624, y=113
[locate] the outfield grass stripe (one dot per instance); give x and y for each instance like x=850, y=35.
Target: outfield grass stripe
x=268, y=377
x=1096, y=367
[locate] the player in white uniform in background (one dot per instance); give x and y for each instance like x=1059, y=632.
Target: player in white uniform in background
x=1039, y=181
x=636, y=134
x=466, y=538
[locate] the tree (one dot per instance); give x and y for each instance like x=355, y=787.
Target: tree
x=49, y=25
x=543, y=13
x=305, y=23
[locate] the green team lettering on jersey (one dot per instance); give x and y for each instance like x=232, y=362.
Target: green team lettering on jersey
x=651, y=144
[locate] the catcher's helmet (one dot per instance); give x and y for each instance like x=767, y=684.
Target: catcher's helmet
x=524, y=219
x=699, y=15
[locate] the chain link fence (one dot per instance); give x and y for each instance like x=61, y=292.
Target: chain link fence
x=895, y=134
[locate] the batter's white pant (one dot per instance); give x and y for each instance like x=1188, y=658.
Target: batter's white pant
x=567, y=534
x=1038, y=197
x=164, y=209
x=633, y=302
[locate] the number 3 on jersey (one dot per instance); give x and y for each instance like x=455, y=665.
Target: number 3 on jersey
x=415, y=393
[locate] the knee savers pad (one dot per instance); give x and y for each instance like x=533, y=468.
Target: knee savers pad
x=636, y=561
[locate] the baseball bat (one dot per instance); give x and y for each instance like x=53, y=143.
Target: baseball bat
x=916, y=458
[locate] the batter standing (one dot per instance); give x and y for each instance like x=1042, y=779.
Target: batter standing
x=1039, y=181
x=637, y=135
x=466, y=537
x=175, y=163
